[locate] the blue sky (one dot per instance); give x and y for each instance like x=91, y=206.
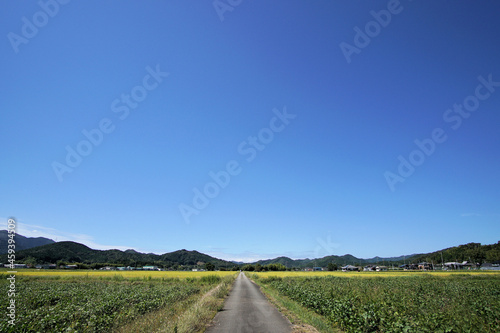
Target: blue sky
x=308, y=112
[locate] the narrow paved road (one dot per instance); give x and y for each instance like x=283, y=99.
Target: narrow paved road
x=247, y=310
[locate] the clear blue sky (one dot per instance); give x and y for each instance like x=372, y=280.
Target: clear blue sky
x=352, y=94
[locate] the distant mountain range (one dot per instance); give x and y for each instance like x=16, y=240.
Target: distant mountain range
x=471, y=252
x=22, y=243
x=72, y=252
x=42, y=250
x=338, y=260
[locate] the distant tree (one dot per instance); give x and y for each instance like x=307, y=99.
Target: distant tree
x=81, y=265
x=493, y=255
x=61, y=263
x=30, y=261
x=248, y=267
x=332, y=267
x=276, y=267
x=258, y=267
x=209, y=266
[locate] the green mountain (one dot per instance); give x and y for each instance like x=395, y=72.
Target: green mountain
x=72, y=252
x=472, y=252
x=22, y=242
x=319, y=262
x=375, y=260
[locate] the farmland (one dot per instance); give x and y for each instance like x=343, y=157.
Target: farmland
x=393, y=302
x=395, y=273
x=96, y=301
x=182, y=301
x=124, y=274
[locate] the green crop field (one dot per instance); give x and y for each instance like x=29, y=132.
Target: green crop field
x=406, y=303
x=101, y=304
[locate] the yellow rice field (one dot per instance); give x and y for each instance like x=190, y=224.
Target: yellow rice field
x=372, y=274
x=190, y=274
x=125, y=274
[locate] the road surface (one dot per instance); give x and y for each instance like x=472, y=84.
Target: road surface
x=247, y=310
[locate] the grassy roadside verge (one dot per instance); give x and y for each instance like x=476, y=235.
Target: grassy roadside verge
x=198, y=316
x=303, y=319
x=191, y=315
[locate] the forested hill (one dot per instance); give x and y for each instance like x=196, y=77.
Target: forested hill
x=72, y=252
x=472, y=252
x=346, y=259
